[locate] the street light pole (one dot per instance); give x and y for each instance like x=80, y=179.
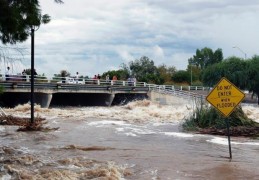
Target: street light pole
x=240, y=50
x=191, y=64
x=32, y=75
x=191, y=74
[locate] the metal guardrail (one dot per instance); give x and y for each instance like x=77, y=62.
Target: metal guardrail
x=64, y=87
x=171, y=90
x=61, y=80
x=69, y=80
x=180, y=88
x=54, y=83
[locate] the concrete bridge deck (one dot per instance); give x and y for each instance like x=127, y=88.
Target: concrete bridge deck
x=46, y=94
x=95, y=93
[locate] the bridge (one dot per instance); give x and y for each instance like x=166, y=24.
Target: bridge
x=90, y=92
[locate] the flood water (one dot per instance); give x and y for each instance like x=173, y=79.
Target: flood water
x=141, y=140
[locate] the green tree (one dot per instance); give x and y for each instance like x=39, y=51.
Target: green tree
x=121, y=74
x=181, y=76
x=28, y=71
x=194, y=74
x=252, y=72
x=61, y=76
x=145, y=70
x=17, y=18
x=212, y=74
x=63, y=73
x=206, y=57
x=233, y=68
x=166, y=73
x=39, y=78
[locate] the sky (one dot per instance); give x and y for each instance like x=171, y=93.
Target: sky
x=93, y=37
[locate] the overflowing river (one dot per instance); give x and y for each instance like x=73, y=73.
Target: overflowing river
x=141, y=140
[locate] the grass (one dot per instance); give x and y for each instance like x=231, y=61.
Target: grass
x=206, y=118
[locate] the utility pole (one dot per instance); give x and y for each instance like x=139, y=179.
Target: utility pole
x=32, y=75
x=240, y=50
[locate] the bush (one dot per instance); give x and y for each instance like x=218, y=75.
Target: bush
x=206, y=116
x=197, y=83
x=181, y=76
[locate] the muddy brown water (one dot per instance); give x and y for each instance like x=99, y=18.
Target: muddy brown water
x=91, y=144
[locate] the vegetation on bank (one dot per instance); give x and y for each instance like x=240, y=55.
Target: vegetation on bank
x=206, y=119
x=24, y=123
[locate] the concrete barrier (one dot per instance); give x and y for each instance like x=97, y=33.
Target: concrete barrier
x=166, y=99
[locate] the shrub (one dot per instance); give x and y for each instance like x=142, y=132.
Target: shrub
x=205, y=116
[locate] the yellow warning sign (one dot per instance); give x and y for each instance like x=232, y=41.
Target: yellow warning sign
x=225, y=97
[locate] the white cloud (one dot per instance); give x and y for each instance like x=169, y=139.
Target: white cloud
x=124, y=54
x=158, y=52
x=96, y=36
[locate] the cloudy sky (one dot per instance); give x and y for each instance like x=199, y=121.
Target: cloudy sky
x=95, y=36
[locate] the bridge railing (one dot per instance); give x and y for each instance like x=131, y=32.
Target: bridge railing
x=179, y=88
x=102, y=82
x=177, y=91
x=69, y=80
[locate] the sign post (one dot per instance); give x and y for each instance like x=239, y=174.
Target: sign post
x=225, y=97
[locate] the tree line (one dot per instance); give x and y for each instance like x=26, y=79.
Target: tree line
x=206, y=67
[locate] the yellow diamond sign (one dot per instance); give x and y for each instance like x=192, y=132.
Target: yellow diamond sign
x=225, y=97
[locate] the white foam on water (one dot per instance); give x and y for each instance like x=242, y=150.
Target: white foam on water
x=135, y=112
x=246, y=143
x=103, y=123
x=58, y=131
x=2, y=129
x=157, y=124
x=120, y=129
x=25, y=149
x=140, y=130
x=131, y=134
x=124, y=128
x=136, y=130
x=6, y=177
x=178, y=134
x=218, y=140
x=252, y=112
x=224, y=141
x=54, y=122
x=153, y=173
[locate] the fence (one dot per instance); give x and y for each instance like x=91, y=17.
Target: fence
x=102, y=82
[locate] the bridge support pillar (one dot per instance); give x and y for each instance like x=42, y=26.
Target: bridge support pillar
x=43, y=99
x=109, y=99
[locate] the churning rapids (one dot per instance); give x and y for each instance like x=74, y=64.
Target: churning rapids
x=141, y=140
